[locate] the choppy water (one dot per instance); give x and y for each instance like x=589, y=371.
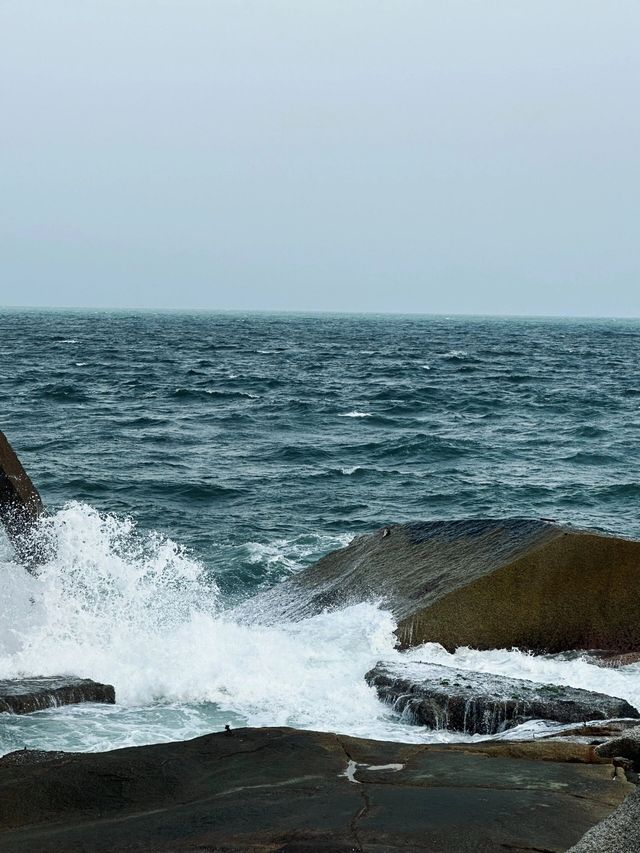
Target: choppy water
x=190, y=460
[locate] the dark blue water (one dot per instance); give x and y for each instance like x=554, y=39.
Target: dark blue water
x=227, y=429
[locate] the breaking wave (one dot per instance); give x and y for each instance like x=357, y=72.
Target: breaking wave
x=137, y=611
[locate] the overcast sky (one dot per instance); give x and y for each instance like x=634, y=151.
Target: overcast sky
x=464, y=156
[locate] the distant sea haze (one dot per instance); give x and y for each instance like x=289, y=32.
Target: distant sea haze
x=191, y=460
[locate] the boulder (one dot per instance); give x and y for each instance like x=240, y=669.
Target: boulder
x=625, y=745
x=20, y=503
x=618, y=833
x=488, y=583
x=25, y=695
x=289, y=791
x=442, y=697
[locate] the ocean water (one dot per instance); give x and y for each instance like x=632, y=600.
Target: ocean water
x=190, y=460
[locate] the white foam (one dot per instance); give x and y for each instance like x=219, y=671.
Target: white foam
x=138, y=613
x=356, y=414
x=291, y=554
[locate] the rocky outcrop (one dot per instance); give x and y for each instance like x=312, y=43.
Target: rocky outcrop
x=488, y=583
x=301, y=792
x=625, y=745
x=442, y=697
x=20, y=503
x=25, y=695
x=618, y=833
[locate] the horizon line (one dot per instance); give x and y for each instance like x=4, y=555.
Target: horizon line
x=312, y=312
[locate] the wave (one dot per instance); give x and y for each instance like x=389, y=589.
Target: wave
x=583, y=457
x=137, y=611
x=355, y=414
x=63, y=393
x=212, y=394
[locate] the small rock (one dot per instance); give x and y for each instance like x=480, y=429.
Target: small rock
x=25, y=695
x=626, y=746
x=442, y=697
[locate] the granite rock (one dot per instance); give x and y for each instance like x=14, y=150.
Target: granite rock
x=303, y=792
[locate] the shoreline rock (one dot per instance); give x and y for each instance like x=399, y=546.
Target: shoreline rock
x=20, y=504
x=301, y=792
x=26, y=695
x=442, y=697
x=486, y=583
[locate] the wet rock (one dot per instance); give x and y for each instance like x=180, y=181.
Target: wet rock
x=442, y=697
x=485, y=583
x=291, y=791
x=611, y=660
x=626, y=745
x=592, y=732
x=20, y=503
x=25, y=695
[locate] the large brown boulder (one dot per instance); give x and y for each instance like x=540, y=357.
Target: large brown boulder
x=488, y=583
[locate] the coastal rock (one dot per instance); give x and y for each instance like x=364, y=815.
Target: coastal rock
x=486, y=583
x=20, y=503
x=618, y=833
x=25, y=695
x=612, y=660
x=302, y=792
x=626, y=745
x=593, y=732
x=442, y=697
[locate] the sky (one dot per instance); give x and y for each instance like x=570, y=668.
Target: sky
x=459, y=156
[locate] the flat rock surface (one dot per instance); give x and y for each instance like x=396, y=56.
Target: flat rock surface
x=485, y=583
x=442, y=697
x=295, y=791
x=25, y=695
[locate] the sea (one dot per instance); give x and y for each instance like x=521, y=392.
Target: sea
x=190, y=460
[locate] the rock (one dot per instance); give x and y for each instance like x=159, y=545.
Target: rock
x=545, y=749
x=25, y=695
x=289, y=791
x=488, y=583
x=618, y=833
x=442, y=697
x=626, y=745
x=593, y=732
x=611, y=660
x=20, y=503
